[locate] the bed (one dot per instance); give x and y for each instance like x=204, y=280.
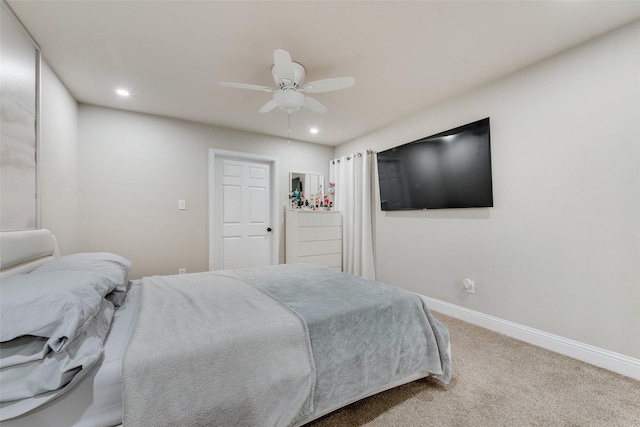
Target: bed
x=271, y=346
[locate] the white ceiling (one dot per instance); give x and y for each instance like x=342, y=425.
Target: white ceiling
x=404, y=56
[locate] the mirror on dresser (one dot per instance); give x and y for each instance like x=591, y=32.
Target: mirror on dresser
x=306, y=191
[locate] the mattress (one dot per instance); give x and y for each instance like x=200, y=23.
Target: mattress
x=96, y=400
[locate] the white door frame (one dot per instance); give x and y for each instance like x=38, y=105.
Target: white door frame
x=275, y=220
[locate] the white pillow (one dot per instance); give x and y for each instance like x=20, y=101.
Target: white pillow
x=114, y=266
x=56, y=305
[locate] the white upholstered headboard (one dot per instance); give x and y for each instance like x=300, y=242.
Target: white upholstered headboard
x=22, y=251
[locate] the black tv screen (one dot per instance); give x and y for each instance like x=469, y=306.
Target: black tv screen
x=451, y=169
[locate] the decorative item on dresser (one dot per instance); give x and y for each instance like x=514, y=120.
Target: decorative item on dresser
x=314, y=237
x=306, y=191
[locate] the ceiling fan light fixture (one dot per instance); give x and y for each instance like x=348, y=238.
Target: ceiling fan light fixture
x=289, y=100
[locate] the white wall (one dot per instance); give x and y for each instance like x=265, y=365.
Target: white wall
x=135, y=167
x=58, y=161
x=560, y=251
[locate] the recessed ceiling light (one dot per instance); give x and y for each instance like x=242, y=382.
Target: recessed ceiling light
x=313, y=130
x=122, y=92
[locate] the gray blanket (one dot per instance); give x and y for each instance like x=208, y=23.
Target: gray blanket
x=211, y=350
x=272, y=346
x=365, y=335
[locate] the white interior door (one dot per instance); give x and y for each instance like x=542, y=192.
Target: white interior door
x=242, y=213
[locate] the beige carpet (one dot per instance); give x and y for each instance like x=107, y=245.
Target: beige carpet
x=500, y=381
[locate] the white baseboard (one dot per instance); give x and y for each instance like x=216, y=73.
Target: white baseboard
x=615, y=362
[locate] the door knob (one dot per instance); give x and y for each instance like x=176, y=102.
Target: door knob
x=268, y=228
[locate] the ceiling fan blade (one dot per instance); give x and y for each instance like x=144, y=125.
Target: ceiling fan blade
x=314, y=105
x=268, y=106
x=283, y=65
x=328, y=85
x=247, y=86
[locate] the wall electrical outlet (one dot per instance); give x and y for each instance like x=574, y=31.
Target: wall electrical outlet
x=182, y=270
x=182, y=205
x=469, y=286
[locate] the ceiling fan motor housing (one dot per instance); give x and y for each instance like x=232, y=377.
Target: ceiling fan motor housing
x=298, y=74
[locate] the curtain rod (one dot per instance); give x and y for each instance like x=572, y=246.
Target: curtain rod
x=359, y=154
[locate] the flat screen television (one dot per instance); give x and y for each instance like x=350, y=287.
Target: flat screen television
x=451, y=169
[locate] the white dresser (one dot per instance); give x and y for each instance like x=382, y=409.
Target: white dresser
x=314, y=237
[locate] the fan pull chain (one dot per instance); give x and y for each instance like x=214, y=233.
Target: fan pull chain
x=289, y=134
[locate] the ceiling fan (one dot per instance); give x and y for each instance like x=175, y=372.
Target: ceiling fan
x=290, y=92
